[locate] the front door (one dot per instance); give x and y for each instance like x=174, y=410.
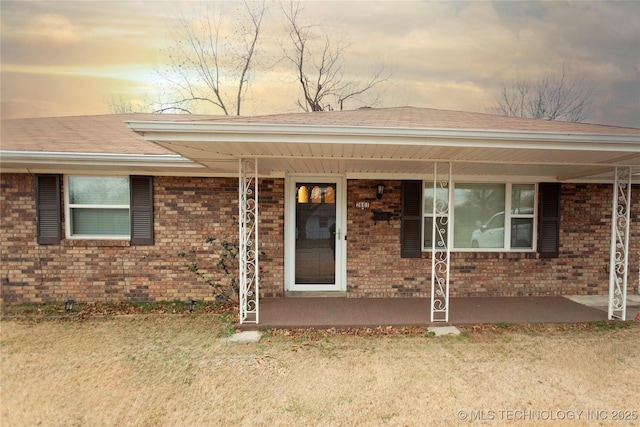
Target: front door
x=315, y=234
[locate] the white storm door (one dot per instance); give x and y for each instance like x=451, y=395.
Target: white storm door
x=315, y=233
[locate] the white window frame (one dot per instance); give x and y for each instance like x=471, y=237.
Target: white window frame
x=69, y=207
x=508, y=216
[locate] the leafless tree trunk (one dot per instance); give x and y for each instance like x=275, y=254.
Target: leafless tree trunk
x=207, y=67
x=120, y=105
x=320, y=67
x=554, y=96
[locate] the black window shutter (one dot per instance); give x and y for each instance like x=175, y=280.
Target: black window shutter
x=141, y=188
x=411, y=220
x=48, y=209
x=549, y=234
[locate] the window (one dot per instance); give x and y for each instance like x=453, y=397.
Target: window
x=98, y=207
x=479, y=215
x=522, y=215
x=110, y=208
x=485, y=216
x=440, y=215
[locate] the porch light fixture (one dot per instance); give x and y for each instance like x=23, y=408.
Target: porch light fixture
x=380, y=191
x=68, y=305
x=190, y=304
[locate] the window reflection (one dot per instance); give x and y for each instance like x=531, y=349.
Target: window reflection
x=522, y=198
x=315, y=242
x=479, y=215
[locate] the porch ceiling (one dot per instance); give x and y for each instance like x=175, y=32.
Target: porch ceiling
x=394, y=152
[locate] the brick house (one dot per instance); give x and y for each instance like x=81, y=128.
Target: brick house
x=397, y=202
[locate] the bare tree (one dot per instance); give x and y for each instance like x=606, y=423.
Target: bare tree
x=319, y=63
x=209, y=66
x=119, y=104
x=554, y=96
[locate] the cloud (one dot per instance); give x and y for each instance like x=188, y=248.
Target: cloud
x=42, y=95
x=446, y=54
x=49, y=30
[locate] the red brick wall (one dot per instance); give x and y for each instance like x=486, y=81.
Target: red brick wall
x=376, y=269
x=187, y=210
x=374, y=266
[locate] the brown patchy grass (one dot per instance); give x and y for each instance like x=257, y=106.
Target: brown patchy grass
x=179, y=370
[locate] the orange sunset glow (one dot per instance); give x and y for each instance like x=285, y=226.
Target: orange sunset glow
x=73, y=57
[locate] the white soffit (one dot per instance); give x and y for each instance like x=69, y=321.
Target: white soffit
x=376, y=151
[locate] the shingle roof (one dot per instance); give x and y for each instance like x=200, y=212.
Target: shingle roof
x=429, y=118
x=81, y=134
x=108, y=133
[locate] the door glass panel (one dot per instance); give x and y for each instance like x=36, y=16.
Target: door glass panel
x=315, y=233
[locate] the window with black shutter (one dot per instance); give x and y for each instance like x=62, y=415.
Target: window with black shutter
x=549, y=234
x=48, y=209
x=411, y=218
x=141, y=206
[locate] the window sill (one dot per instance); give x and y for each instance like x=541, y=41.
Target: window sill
x=495, y=255
x=96, y=243
x=490, y=255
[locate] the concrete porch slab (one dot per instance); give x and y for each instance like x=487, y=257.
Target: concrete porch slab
x=398, y=312
x=601, y=302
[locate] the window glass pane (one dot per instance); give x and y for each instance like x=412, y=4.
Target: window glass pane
x=441, y=232
x=303, y=195
x=88, y=190
x=479, y=215
x=521, y=232
x=329, y=195
x=428, y=232
x=443, y=199
x=522, y=199
x=316, y=195
x=100, y=222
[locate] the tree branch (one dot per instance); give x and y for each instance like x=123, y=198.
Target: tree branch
x=553, y=96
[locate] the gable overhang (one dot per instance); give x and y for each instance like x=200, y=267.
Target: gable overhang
x=382, y=152
x=104, y=163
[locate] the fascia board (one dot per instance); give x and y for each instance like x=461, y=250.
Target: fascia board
x=473, y=138
x=62, y=158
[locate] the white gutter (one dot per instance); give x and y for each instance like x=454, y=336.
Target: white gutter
x=474, y=138
x=103, y=159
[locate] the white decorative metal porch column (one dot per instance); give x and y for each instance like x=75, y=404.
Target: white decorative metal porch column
x=440, y=242
x=619, y=262
x=248, y=241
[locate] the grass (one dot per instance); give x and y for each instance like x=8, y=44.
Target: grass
x=159, y=370
x=84, y=310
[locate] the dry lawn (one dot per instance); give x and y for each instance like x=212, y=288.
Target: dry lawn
x=175, y=370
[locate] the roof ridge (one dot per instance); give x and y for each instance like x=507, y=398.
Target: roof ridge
x=292, y=116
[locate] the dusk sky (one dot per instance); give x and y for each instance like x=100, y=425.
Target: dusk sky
x=71, y=57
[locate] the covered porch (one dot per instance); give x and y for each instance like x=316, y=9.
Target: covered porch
x=302, y=312
x=410, y=144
